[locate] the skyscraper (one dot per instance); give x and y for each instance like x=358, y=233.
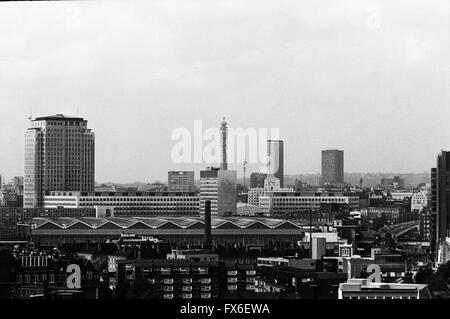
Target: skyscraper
x=440, y=192
x=332, y=167
x=275, y=153
x=181, y=181
x=59, y=156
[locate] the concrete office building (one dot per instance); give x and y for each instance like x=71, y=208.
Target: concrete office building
x=332, y=168
x=219, y=187
x=128, y=203
x=282, y=203
x=181, y=181
x=275, y=153
x=271, y=184
x=59, y=155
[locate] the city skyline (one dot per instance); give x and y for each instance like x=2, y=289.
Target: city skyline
x=198, y=167
x=283, y=74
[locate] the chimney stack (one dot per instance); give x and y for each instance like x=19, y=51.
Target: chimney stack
x=208, y=224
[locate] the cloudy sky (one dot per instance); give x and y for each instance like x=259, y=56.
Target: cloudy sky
x=368, y=77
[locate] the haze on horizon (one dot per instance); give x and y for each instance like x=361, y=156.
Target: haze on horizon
x=369, y=77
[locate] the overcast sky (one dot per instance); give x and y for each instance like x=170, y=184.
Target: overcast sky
x=368, y=77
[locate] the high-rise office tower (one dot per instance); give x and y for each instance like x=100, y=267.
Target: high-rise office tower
x=219, y=187
x=332, y=167
x=275, y=153
x=440, y=196
x=181, y=181
x=59, y=156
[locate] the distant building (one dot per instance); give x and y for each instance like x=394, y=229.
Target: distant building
x=271, y=184
x=218, y=186
x=393, y=183
x=128, y=203
x=275, y=154
x=59, y=155
x=401, y=196
x=390, y=213
x=419, y=201
x=17, y=184
x=181, y=181
x=9, y=198
x=257, y=180
x=279, y=203
x=332, y=168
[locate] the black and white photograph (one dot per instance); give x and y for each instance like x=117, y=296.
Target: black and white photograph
x=224, y=158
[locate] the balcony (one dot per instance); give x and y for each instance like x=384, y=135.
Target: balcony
x=232, y=272
x=168, y=288
x=232, y=287
x=168, y=281
x=168, y=296
x=206, y=288
x=232, y=280
x=187, y=281
x=205, y=296
x=186, y=296
x=202, y=270
x=187, y=288
x=166, y=271
x=205, y=280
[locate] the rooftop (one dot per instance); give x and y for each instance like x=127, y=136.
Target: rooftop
x=162, y=222
x=60, y=117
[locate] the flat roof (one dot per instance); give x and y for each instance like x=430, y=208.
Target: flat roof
x=58, y=117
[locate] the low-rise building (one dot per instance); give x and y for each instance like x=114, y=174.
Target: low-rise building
x=128, y=203
x=356, y=288
x=282, y=203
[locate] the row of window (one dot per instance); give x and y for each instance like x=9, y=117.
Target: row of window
x=188, y=296
x=379, y=297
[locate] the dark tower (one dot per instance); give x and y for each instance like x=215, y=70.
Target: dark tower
x=208, y=224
